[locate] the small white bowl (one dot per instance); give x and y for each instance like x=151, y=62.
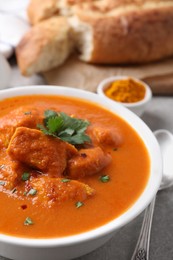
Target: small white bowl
x=137, y=107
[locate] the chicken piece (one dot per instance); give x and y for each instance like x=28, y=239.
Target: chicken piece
x=10, y=172
x=51, y=190
x=105, y=136
x=41, y=152
x=88, y=162
x=7, y=176
x=5, y=135
x=23, y=116
x=71, y=150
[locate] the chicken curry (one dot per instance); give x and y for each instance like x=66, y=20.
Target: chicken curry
x=66, y=166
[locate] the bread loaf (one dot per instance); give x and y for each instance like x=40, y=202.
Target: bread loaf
x=103, y=32
x=124, y=32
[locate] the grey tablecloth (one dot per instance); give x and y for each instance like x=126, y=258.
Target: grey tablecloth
x=159, y=114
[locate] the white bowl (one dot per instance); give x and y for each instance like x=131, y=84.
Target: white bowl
x=77, y=245
x=136, y=107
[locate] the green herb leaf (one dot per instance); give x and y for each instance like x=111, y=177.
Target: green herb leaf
x=65, y=180
x=28, y=221
x=25, y=176
x=79, y=204
x=2, y=183
x=54, y=124
x=44, y=130
x=14, y=190
x=68, y=129
x=50, y=113
x=32, y=192
x=27, y=113
x=76, y=139
x=104, y=178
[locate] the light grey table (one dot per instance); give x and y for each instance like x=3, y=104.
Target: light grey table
x=159, y=114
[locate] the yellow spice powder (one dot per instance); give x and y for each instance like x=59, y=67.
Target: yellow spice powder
x=126, y=90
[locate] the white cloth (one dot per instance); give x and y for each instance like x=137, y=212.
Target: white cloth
x=13, y=24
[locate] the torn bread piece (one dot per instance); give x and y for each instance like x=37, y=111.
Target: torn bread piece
x=45, y=46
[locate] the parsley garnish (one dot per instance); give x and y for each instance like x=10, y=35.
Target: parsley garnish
x=2, y=183
x=28, y=221
x=14, y=190
x=65, y=180
x=25, y=176
x=79, y=204
x=32, y=192
x=27, y=113
x=68, y=129
x=104, y=178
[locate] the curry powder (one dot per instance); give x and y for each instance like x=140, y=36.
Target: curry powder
x=126, y=91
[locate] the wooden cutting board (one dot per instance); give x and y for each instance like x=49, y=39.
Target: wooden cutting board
x=75, y=73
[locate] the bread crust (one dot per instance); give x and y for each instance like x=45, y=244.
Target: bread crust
x=39, y=10
x=135, y=36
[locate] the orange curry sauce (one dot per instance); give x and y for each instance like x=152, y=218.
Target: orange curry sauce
x=128, y=173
